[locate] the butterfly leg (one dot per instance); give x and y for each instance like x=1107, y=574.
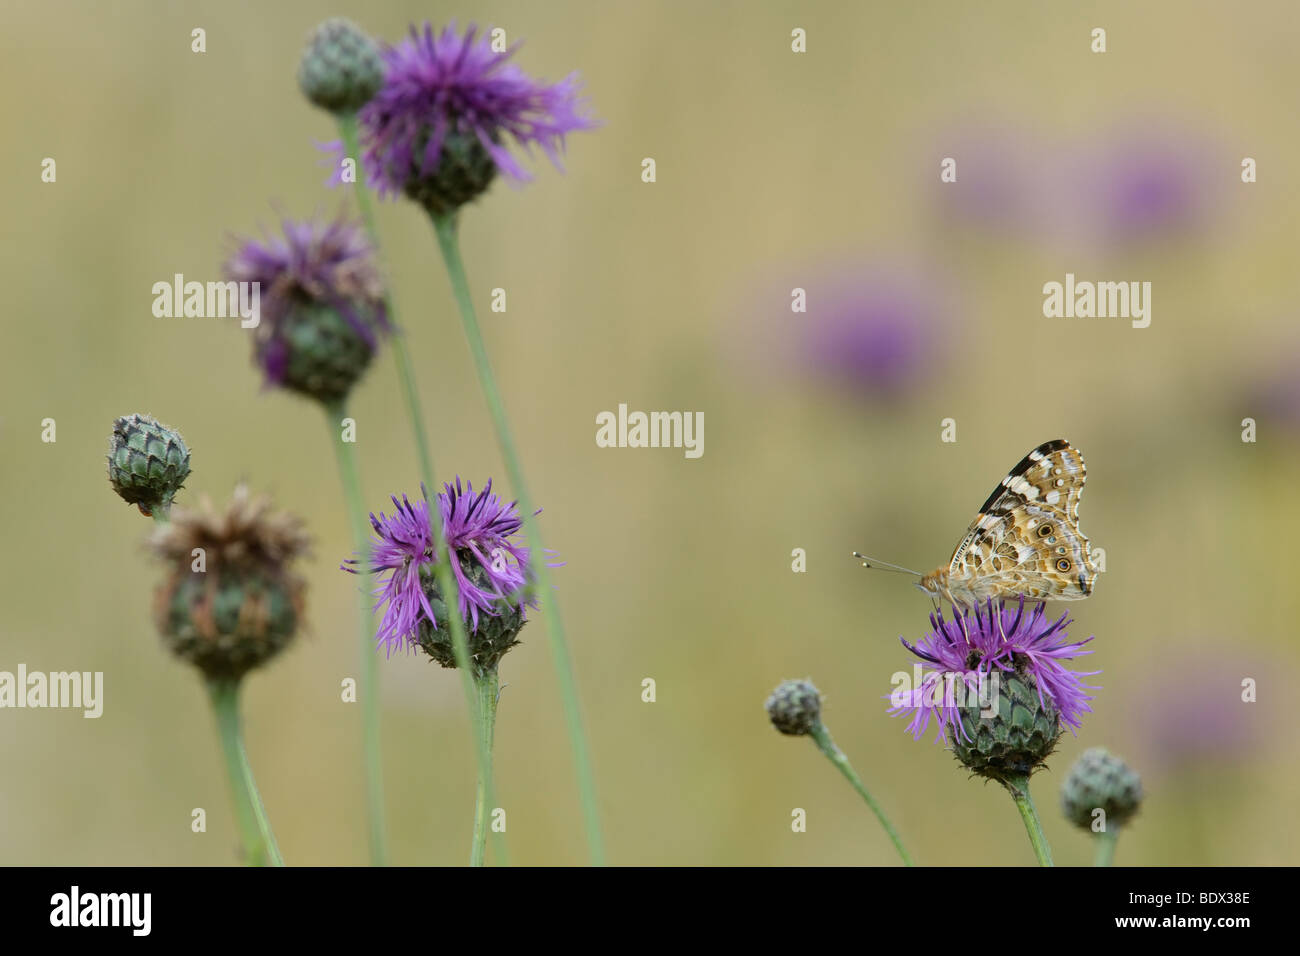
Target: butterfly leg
x=959, y=612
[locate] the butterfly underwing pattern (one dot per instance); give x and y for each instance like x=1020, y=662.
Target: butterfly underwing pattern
x=1025, y=541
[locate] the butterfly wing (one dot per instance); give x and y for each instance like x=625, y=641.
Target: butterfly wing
x=1026, y=538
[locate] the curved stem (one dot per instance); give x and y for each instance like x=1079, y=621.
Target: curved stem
x=250, y=814
x=1019, y=789
x=442, y=569
x=487, y=686
x=445, y=228
x=346, y=455
x=1106, y=841
x=822, y=737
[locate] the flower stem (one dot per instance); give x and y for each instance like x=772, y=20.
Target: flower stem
x=250, y=814
x=345, y=453
x=1019, y=788
x=822, y=737
x=442, y=569
x=487, y=687
x=405, y=372
x=449, y=244
x=1106, y=841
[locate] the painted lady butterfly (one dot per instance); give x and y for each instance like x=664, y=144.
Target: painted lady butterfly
x=1025, y=541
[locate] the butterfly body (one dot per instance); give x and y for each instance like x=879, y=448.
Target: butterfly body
x=1025, y=541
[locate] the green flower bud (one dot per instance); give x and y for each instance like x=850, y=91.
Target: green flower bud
x=1020, y=733
x=315, y=351
x=147, y=463
x=341, y=68
x=1100, y=781
x=488, y=643
x=795, y=707
x=465, y=170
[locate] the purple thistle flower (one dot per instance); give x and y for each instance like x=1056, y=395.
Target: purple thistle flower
x=491, y=572
x=1148, y=181
x=874, y=332
x=435, y=129
x=974, y=646
x=321, y=305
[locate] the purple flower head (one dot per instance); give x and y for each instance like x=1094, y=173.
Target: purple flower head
x=490, y=569
x=321, y=304
x=994, y=638
x=1147, y=181
x=874, y=330
x=1191, y=714
x=1000, y=190
x=436, y=129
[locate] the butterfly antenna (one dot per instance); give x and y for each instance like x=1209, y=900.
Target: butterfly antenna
x=884, y=565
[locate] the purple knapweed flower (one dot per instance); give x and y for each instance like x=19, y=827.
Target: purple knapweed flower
x=866, y=327
x=1192, y=714
x=872, y=332
x=992, y=639
x=321, y=302
x=1000, y=190
x=436, y=130
x=491, y=573
x=1146, y=182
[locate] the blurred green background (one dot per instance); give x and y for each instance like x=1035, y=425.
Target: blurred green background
x=775, y=170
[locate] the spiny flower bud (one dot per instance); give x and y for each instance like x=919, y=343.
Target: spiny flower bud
x=340, y=68
x=229, y=602
x=315, y=352
x=488, y=642
x=1019, y=733
x=1100, y=781
x=147, y=463
x=795, y=707
x=465, y=170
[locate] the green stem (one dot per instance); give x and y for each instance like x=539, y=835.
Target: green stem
x=822, y=737
x=1019, y=789
x=345, y=453
x=250, y=814
x=445, y=227
x=487, y=686
x=405, y=371
x=1106, y=841
x=442, y=569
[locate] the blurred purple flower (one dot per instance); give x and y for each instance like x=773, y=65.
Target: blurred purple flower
x=490, y=569
x=1274, y=394
x=449, y=99
x=975, y=646
x=875, y=333
x=1000, y=187
x=1191, y=712
x=1147, y=182
x=312, y=264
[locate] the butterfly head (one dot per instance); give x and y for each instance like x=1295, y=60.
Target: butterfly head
x=935, y=583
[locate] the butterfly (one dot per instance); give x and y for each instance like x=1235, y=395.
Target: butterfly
x=1025, y=541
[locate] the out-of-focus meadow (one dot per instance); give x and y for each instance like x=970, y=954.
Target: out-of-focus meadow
x=775, y=170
